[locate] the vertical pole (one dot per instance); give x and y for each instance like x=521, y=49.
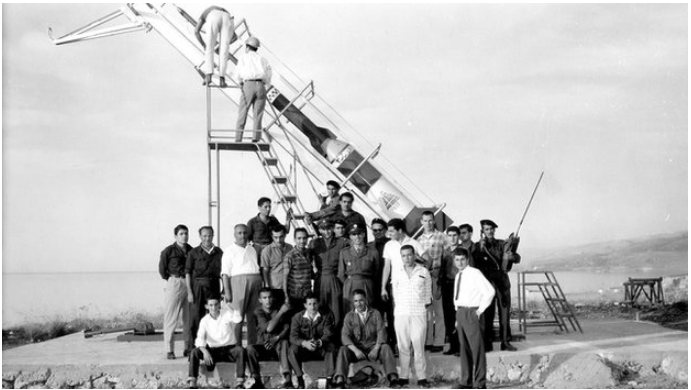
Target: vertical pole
x=208, y=149
x=218, y=196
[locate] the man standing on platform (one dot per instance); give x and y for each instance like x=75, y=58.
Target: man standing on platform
x=216, y=343
x=364, y=338
x=202, y=274
x=242, y=281
x=489, y=257
x=412, y=289
x=432, y=242
x=272, y=263
x=472, y=295
x=253, y=73
x=259, y=227
x=171, y=266
x=357, y=267
x=327, y=285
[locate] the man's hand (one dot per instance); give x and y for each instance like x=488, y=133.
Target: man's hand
x=373, y=353
x=208, y=360
x=228, y=296
x=308, y=218
x=384, y=296
x=478, y=312
x=309, y=345
x=358, y=353
x=190, y=297
x=271, y=343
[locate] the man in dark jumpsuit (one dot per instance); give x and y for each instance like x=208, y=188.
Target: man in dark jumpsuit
x=326, y=283
x=203, y=275
x=489, y=257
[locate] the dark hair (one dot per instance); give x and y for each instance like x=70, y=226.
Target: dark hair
x=251, y=47
x=427, y=212
x=461, y=252
x=213, y=296
x=466, y=226
x=346, y=195
x=397, y=224
x=333, y=183
x=453, y=229
x=265, y=289
x=204, y=228
x=340, y=222
x=278, y=228
x=310, y=295
x=300, y=229
x=263, y=200
x=379, y=221
x=359, y=291
x=180, y=227
x=406, y=247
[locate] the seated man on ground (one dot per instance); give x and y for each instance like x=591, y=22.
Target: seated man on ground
x=272, y=339
x=216, y=343
x=311, y=334
x=364, y=338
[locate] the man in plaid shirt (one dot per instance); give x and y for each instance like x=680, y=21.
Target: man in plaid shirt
x=433, y=242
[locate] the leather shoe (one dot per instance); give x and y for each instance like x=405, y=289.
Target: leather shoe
x=507, y=347
x=436, y=349
x=170, y=356
x=424, y=384
x=450, y=352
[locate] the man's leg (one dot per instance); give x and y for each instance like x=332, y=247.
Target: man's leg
x=195, y=357
x=449, y=317
x=295, y=359
x=254, y=284
x=465, y=349
x=345, y=357
x=329, y=351
x=282, y=352
x=170, y=315
x=488, y=331
x=226, y=33
x=403, y=329
x=255, y=353
x=388, y=361
x=238, y=285
x=196, y=312
x=185, y=309
x=418, y=330
x=211, y=38
x=238, y=355
x=243, y=108
x=390, y=320
x=504, y=308
x=439, y=326
x=259, y=103
x=476, y=349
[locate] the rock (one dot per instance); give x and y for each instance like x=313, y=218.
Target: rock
x=676, y=366
x=632, y=383
x=581, y=371
x=35, y=378
x=10, y=376
x=515, y=372
x=542, y=366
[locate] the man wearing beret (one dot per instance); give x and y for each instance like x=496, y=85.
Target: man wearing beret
x=492, y=258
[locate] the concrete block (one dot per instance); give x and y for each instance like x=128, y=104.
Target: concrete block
x=586, y=371
x=32, y=378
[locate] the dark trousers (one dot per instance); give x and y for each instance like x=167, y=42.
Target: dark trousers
x=502, y=300
x=449, y=314
x=346, y=356
x=297, y=355
x=202, y=289
x=473, y=362
x=388, y=309
x=229, y=353
x=279, y=297
x=258, y=352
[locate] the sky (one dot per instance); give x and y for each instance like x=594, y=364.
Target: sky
x=104, y=147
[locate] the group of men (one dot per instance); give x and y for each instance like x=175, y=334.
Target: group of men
x=395, y=295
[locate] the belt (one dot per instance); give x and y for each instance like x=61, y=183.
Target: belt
x=177, y=276
x=359, y=277
x=257, y=80
x=204, y=279
x=467, y=307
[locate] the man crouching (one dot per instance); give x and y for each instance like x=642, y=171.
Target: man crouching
x=364, y=338
x=216, y=343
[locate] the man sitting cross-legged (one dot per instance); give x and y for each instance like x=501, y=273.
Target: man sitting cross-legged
x=272, y=338
x=311, y=334
x=364, y=338
x=216, y=342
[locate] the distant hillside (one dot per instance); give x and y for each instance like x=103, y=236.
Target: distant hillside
x=663, y=254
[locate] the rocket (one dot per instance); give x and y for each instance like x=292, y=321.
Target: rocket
x=379, y=190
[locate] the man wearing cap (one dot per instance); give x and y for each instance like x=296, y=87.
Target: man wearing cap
x=358, y=266
x=326, y=283
x=171, y=266
x=253, y=73
x=221, y=29
x=489, y=257
x=330, y=203
x=347, y=213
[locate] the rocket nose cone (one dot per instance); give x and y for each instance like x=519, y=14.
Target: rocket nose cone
x=333, y=148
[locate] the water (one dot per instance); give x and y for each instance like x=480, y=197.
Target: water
x=43, y=297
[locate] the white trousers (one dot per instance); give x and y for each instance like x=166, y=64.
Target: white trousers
x=410, y=332
x=175, y=303
x=219, y=24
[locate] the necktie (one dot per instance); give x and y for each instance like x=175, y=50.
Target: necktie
x=458, y=285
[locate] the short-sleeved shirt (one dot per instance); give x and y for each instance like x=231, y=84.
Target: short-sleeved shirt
x=412, y=293
x=201, y=264
x=432, y=249
x=392, y=251
x=272, y=261
x=239, y=260
x=263, y=318
x=298, y=266
x=259, y=232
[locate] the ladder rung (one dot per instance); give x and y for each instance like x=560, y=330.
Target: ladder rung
x=213, y=203
x=289, y=198
x=271, y=161
x=279, y=180
x=555, y=299
x=540, y=284
x=298, y=217
x=225, y=144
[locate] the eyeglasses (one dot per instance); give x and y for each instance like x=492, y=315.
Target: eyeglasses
x=377, y=230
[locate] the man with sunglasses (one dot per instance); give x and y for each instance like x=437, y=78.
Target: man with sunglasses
x=358, y=266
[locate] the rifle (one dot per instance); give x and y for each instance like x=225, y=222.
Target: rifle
x=511, y=243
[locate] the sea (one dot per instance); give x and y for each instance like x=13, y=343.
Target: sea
x=31, y=298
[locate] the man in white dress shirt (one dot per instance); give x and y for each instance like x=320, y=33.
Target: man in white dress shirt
x=472, y=295
x=216, y=342
x=242, y=281
x=253, y=73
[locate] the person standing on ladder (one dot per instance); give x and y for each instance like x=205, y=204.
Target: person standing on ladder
x=253, y=73
x=222, y=30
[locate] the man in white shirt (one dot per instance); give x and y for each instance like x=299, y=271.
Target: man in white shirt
x=221, y=28
x=242, y=281
x=472, y=295
x=412, y=289
x=216, y=342
x=253, y=73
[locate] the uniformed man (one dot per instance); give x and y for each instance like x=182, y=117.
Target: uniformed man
x=347, y=213
x=326, y=250
x=490, y=257
x=358, y=267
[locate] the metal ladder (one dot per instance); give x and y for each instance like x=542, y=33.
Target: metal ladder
x=554, y=297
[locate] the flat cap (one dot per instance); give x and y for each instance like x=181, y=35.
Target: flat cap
x=488, y=222
x=325, y=224
x=355, y=228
